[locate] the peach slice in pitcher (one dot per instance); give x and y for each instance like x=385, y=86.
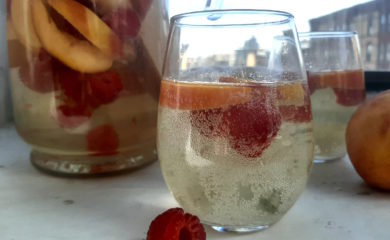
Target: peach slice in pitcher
x=89, y=25
x=78, y=54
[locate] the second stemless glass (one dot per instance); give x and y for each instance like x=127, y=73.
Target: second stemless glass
x=234, y=121
x=336, y=82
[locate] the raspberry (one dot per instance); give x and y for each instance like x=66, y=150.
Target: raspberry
x=349, y=97
x=105, y=87
x=174, y=224
x=103, y=140
x=252, y=126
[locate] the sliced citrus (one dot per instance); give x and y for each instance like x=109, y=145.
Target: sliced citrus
x=196, y=96
x=353, y=79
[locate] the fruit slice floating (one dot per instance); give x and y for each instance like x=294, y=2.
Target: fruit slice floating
x=77, y=54
x=348, y=86
x=21, y=16
x=89, y=25
x=193, y=96
x=103, y=140
x=287, y=94
x=174, y=224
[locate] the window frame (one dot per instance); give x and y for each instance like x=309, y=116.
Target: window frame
x=377, y=81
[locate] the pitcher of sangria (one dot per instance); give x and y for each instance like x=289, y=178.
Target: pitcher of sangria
x=85, y=78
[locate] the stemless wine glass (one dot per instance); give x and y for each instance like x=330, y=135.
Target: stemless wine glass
x=234, y=120
x=336, y=82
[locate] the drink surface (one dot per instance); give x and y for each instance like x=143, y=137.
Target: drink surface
x=334, y=97
x=85, y=78
x=235, y=153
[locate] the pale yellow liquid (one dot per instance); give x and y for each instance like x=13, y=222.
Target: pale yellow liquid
x=222, y=187
x=330, y=121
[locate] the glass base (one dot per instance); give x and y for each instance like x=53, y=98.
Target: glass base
x=239, y=229
x=70, y=165
x=327, y=159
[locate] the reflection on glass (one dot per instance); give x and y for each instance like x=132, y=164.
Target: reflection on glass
x=234, y=122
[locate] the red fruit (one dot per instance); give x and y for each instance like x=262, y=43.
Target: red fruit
x=38, y=74
x=350, y=97
x=105, y=87
x=208, y=122
x=174, y=224
x=103, y=140
x=348, y=85
x=72, y=85
x=124, y=22
x=252, y=126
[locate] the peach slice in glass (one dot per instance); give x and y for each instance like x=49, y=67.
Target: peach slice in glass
x=196, y=96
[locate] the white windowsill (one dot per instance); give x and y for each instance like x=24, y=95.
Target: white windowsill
x=33, y=205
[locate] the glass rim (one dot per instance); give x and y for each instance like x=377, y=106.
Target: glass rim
x=328, y=34
x=285, y=17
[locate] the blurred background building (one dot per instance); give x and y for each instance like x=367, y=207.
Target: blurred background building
x=372, y=22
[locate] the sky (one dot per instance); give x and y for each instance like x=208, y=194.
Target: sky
x=303, y=10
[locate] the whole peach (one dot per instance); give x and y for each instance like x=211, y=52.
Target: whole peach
x=368, y=141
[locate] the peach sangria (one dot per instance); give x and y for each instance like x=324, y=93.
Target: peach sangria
x=85, y=77
x=336, y=82
x=234, y=136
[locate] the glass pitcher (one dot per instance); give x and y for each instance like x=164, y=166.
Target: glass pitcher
x=85, y=78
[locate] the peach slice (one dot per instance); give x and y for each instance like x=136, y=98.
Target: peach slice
x=89, y=25
x=287, y=94
x=78, y=54
x=195, y=96
x=23, y=25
